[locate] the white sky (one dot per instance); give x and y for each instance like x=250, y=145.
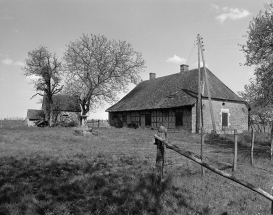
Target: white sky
x=163, y=31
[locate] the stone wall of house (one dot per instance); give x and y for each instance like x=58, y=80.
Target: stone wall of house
x=237, y=116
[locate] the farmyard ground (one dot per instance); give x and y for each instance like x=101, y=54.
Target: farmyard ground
x=52, y=171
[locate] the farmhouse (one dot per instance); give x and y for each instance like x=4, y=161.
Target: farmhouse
x=171, y=101
x=33, y=116
x=66, y=109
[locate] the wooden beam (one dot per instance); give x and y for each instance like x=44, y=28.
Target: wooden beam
x=198, y=108
x=192, y=157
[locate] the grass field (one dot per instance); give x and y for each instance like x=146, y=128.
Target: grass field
x=52, y=171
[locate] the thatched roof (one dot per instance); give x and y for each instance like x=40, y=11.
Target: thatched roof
x=35, y=114
x=62, y=102
x=175, y=90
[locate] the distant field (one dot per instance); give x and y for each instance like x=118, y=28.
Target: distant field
x=52, y=171
x=7, y=123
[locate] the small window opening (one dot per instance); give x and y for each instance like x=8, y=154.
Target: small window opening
x=224, y=119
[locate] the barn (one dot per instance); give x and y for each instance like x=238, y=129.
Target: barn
x=66, y=109
x=171, y=101
x=34, y=116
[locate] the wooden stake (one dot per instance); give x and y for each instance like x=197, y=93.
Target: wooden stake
x=202, y=145
x=252, y=147
x=235, y=151
x=271, y=148
x=160, y=150
x=271, y=201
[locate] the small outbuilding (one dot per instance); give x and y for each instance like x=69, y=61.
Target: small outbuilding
x=66, y=109
x=171, y=101
x=34, y=116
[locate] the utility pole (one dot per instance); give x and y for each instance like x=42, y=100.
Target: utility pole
x=208, y=88
x=198, y=111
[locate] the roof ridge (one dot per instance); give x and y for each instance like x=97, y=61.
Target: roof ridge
x=178, y=73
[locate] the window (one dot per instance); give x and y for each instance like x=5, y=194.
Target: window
x=224, y=119
x=148, y=121
x=179, y=118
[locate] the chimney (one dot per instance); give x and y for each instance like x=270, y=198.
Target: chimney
x=184, y=68
x=152, y=76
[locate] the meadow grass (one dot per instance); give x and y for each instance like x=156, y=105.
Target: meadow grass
x=52, y=171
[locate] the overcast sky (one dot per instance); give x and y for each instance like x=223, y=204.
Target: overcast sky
x=163, y=31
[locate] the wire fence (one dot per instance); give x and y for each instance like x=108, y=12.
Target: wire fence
x=162, y=143
x=256, y=127
x=12, y=122
x=98, y=123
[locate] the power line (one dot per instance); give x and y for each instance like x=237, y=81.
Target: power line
x=223, y=35
x=221, y=48
x=217, y=41
x=189, y=57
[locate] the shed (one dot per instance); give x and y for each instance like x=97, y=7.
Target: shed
x=33, y=116
x=66, y=108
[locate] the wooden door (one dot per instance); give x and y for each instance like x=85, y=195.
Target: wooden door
x=148, y=120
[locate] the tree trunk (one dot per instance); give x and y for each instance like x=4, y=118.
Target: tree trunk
x=84, y=108
x=50, y=109
x=84, y=111
x=51, y=120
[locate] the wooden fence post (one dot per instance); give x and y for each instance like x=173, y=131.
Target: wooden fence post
x=271, y=149
x=271, y=201
x=160, y=150
x=252, y=147
x=98, y=123
x=202, y=145
x=271, y=146
x=235, y=151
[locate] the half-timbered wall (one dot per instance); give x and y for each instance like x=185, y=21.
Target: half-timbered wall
x=166, y=117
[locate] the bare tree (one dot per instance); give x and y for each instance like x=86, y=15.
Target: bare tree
x=96, y=69
x=46, y=69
